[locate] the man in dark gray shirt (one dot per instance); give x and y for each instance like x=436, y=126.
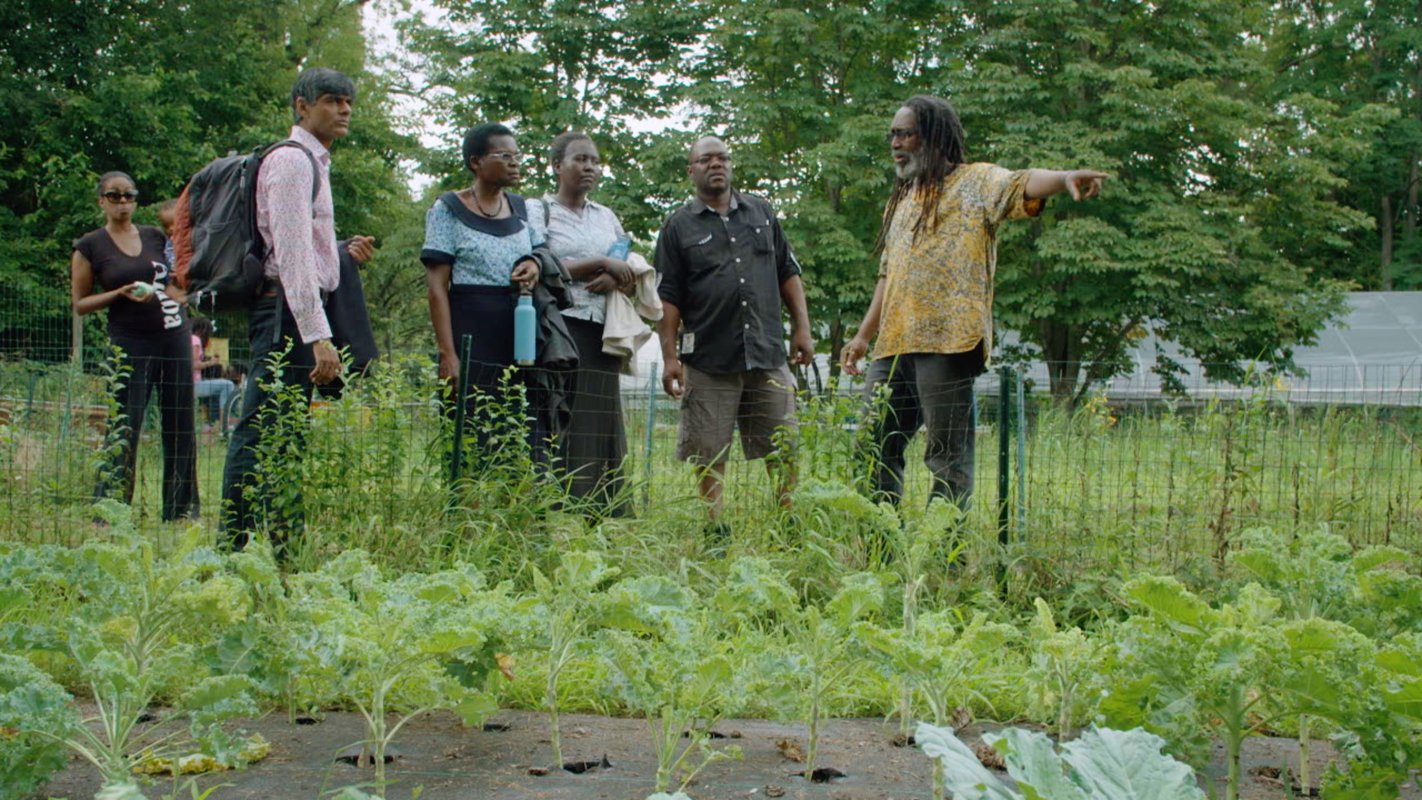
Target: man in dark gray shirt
x=725, y=270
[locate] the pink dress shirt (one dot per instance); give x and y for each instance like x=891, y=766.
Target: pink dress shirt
x=302, y=235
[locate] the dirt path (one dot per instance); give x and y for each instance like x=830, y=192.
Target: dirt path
x=450, y=762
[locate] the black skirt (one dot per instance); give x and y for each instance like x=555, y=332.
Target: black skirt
x=595, y=442
x=486, y=315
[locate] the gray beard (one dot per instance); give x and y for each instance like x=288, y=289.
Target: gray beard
x=910, y=168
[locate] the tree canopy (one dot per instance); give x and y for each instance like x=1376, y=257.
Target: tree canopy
x=1264, y=156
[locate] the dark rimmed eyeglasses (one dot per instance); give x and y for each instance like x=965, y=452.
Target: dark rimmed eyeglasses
x=120, y=197
x=506, y=156
x=900, y=133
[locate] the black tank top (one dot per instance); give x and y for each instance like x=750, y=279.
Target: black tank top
x=115, y=269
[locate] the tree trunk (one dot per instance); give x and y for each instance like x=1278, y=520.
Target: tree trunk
x=1063, y=368
x=836, y=344
x=1385, y=231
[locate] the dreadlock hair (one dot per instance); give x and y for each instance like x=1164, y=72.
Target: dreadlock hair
x=940, y=151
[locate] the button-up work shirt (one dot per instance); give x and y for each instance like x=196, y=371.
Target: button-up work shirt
x=724, y=275
x=300, y=234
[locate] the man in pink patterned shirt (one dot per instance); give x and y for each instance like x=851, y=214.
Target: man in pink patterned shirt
x=288, y=320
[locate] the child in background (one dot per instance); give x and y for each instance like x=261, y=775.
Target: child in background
x=204, y=388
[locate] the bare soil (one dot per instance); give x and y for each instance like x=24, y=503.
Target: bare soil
x=447, y=761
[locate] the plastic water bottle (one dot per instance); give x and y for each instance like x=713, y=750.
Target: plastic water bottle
x=620, y=249
x=525, y=331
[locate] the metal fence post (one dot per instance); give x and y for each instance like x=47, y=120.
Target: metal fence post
x=1004, y=440
x=456, y=456
x=1020, y=425
x=652, y=379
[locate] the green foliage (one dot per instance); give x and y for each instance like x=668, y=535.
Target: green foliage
x=408, y=645
x=117, y=87
x=34, y=716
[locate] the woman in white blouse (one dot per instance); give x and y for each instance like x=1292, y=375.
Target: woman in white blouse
x=585, y=236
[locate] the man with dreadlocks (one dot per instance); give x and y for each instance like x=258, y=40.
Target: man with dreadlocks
x=932, y=306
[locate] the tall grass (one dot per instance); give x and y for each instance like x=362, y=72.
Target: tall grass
x=1109, y=490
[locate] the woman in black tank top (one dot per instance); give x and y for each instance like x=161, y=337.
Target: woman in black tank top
x=151, y=330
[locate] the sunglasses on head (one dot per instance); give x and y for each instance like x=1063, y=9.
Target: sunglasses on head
x=120, y=197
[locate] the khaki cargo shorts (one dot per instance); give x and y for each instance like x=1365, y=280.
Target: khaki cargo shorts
x=759, y=401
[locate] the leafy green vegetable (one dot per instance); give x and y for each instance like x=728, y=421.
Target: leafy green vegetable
x=1099, y=765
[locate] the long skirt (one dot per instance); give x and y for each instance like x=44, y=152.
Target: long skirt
x=595, y=444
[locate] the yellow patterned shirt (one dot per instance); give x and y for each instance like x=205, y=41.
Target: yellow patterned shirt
x=938, y=290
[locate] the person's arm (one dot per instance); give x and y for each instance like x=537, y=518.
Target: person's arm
x=667, y=261
x=868, y=329
x=792, y=294
x=802, y=344
x=437, y=284
x=1081, y=184
x=284, y=189
x=673, y=377
x=285, y=186
x=81, y=288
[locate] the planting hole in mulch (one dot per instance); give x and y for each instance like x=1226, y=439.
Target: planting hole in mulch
x=358, y=756
x=146, y=717
x=824, y=775
x=1280, y=777
x=903, y=740
x=579, y=767
x=711, y=735
x=307, y=721
x=496, y=727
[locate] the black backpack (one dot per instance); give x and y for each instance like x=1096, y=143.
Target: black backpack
x=217, y=250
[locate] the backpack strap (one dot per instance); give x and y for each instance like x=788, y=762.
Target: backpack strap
x=315, y=168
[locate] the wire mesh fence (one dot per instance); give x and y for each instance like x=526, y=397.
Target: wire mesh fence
x=1125, y=478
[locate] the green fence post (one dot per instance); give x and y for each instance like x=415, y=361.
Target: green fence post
x=456, y=456
x=1004, y=440
x=1020, y=426
x=652, y=378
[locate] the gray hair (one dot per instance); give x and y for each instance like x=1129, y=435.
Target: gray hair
x=317, y=81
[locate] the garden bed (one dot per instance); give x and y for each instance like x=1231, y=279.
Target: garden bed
x=450, y=762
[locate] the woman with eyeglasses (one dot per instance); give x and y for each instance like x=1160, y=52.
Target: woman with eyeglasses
x=478, y=251
x=151, y=333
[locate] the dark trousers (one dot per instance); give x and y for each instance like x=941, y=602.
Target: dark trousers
x=162, y=364
x=931, y=391
x=247, y=494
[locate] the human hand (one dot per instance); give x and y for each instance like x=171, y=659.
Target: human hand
x=1083, y=184
x=602, y=283
x=802, y=348
x=525, y=273
x=852, y=352
x=361, y=248
x=139, y=292
x=178, y=293
x=620, y=272
x=448, y=367
x=328, y=362
x=674, y=378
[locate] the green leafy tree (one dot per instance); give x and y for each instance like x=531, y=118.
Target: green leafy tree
x=1361, y=56
x=1197, y=236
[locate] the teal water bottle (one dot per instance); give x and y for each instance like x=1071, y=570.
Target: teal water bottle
x=525, y=331
x=620, y=249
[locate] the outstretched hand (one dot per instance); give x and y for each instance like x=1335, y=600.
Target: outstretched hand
x=1083, y=184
